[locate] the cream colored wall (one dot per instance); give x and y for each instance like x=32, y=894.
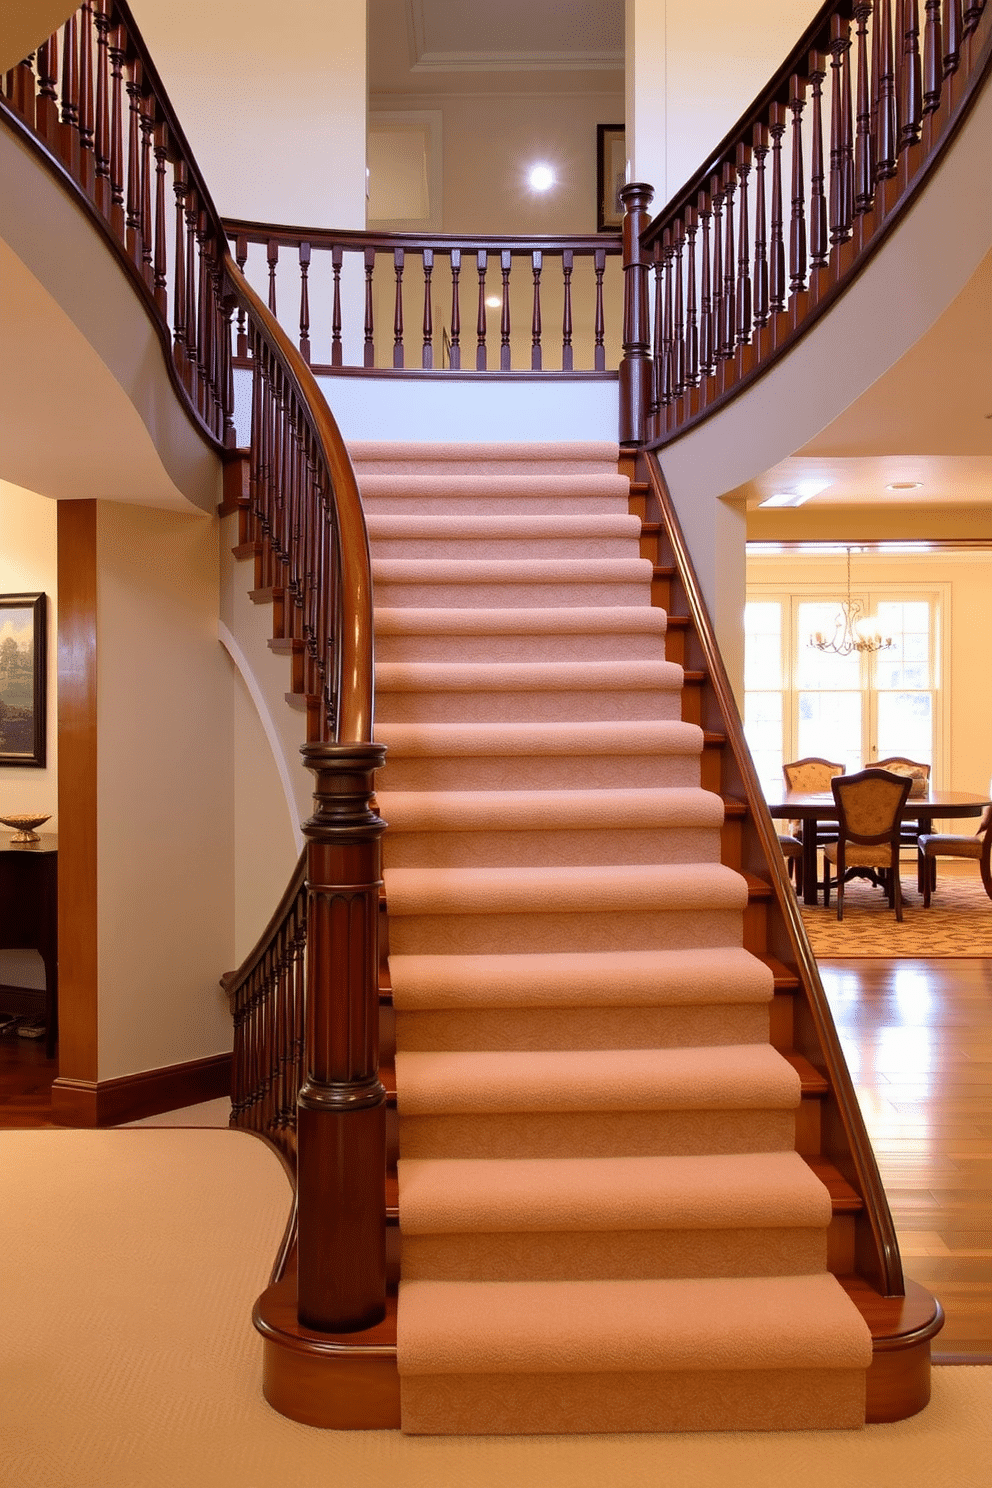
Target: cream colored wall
x=165, y=887
x=27, y=566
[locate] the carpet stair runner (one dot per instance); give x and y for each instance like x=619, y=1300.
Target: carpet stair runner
x=605, y=1225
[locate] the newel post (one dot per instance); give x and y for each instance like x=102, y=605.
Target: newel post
x=341, y=1134
x=635, y=368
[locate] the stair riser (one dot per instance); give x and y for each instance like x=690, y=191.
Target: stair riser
x=597, y=1133
x=601, y=1255
x=494, y=547
x=582, y=1028
x=440, y=504
x=534, y=595
x=537, y=772
x=604, y=646
x=690, y=1400
x=547, y=848
x=527, y=707
x=678, y=929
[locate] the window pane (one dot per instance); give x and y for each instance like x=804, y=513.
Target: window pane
x=830, y=727
x=905, y=725
x=763, y=644
x=907, y=662
x=822, y=669
x=763, y=731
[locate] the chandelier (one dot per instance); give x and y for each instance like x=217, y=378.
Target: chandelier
x=852, y=630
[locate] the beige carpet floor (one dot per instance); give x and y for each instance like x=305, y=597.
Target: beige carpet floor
x=958, y=922
x=131, y=1260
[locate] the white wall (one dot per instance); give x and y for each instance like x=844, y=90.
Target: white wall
x=28, y=565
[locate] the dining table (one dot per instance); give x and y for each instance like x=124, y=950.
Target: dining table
x=815, y=808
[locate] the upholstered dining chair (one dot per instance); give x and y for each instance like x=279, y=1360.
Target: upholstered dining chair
x=934, y=845
x=792, y=848
x=810, y=774
x=919, y=774
x=869, y=804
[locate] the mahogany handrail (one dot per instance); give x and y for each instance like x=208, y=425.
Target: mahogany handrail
x=793, y=203
x=849, y=1148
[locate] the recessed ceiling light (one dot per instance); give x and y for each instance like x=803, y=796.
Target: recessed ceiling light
x=493, y=301
x=904, y=486
x=541, y=178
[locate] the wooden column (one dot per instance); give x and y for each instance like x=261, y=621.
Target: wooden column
x=342, y=1105
x=635, y=368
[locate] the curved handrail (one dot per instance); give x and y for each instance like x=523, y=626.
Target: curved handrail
x=817, y=170
x=882, y=1261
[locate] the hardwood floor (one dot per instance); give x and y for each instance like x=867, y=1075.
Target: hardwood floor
x=918, y=1038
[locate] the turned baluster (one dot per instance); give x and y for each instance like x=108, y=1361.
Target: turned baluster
x=567, y=264
x=972, y=16
x=20, y=85
x=635, y=367
x=337, y=257
x=691, y=318
x=241, y=258
x=743, y=248
x=398, y=261
x=933, y=61
x=101, y=21
x=818, y=239
x=716, y=311
x=886, y=150
x=840, y=142
x=204, y=340
x=427, y=355
x=504, y=314
x=760, y=138
x=87, y=117
x=776, y=252
x=147, y=123
x=864, y=146
x=117, y=215
x=728, y=305
x=911, y=97
x=953, y=27
x=480, y=325
x=707, y=359
x=304, y=257
x=678, y=310
x=227, y=345
x=46, y=106
x=455, y=346
x=536, y=260
x=192, y=325
x=657, y=341
x=179, y=352
x=272, y=258
x=599, y=322
x=159, y=268
x=133, y=237
x=69, y=132
x=797, y=235
x=369, y=353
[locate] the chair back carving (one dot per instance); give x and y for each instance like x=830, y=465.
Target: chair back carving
x=869, y=804
x=811, y=774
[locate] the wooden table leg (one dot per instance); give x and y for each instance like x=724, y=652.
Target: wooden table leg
x=809, y=861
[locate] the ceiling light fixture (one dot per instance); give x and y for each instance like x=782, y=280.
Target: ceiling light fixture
x=904, y=486
x=541, y=178
x=803, y=491
x=852, y=630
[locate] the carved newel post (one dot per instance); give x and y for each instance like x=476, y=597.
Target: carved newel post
x=635, y=368
x=341, y=1151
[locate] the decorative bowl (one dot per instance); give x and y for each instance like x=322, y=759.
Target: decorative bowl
x=24, y=826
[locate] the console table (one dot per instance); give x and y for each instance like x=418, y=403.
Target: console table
x=29, y=912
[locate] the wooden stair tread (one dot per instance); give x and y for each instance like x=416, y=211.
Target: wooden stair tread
x=844, y=1198
x=813, y=1083
x=785, y=979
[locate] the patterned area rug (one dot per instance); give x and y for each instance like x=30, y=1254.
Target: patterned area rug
x=958, y=922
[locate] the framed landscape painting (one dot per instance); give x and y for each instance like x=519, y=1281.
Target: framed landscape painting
x=22, y=679
x=611, y=172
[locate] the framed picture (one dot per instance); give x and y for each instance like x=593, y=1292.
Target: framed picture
x=611, y=172
x=22, y=679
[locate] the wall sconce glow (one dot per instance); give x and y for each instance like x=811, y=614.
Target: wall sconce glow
x=541, y=178
x=493, y=301
x=804, y=490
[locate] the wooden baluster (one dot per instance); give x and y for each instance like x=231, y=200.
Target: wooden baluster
x=337, y=257
x=886, y=149
x=159, y=266
x=797, y=236
x=536, y=260
x=691, y=316
x=506, y=260
x=192, y=342
x=480, y=326
x=933, y=60
x=678, y=310
x=707, y=358
x=667, y=389
x=567, y=264
x=19, y=89
x=46, y=106
x=179, y=352
x=911, y=98
x=599, y=321
x=398, y=260
x=87, y=117
x=716, y=312
x=241, y=258
x=657, y=342
x=69, y=132
x=117, y=134
x=864, y=148
x=953, y=28
x=818, y=239
x=229, y=431
x=305, y=302
x=147, y=121
x=369, y=354
x=728, y=307
x=760, y=138
x=101, y=20
x=635, y=368
x=427, y=355
x=455, y=348
x=776, y=252
x=972, y=16
x=204, y=338
x=840, y=42
x=743, y=248
x=133, y=239
x=272, y=258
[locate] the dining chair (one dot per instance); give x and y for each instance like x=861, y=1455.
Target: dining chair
x=810, y=774
x=934, y=845
x=919, y=774
x=869, y=804
x=793, y=851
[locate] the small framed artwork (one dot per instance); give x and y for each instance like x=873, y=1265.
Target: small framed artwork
x=611, y=172
x=23, y=679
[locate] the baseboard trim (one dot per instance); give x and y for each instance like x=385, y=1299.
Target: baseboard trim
x=148, y=1093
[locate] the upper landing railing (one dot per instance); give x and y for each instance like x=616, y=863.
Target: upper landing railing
x=372, y=303
x=792, y=203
